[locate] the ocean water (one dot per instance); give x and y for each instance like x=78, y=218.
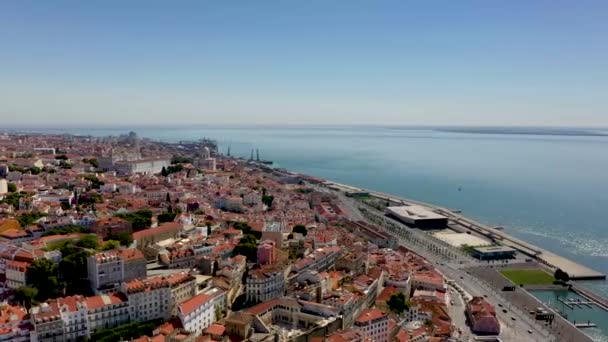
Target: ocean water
x=550, y=189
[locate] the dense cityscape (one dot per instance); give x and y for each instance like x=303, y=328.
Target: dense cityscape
x=121, y=238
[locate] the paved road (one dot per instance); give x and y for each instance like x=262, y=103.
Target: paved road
x=451, y=265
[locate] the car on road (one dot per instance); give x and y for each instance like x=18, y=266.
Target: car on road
x=530, y=332
x=513, y=319
x=504, y=310
x=500, y=305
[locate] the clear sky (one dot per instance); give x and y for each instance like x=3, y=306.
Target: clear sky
x=487, y=62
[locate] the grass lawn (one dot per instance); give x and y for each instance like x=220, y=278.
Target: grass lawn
x=528, y=277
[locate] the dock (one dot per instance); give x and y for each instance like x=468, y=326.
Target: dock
x=591, y=296
x=571, y=303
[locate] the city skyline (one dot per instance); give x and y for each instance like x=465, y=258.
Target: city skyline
x=444, y=64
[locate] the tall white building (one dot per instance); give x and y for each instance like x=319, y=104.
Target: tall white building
x=157, y=297
x=373, y=323
x=266, y=283
x=197, y=313
x=113, y=267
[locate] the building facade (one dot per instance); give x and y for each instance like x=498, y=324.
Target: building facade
x=373, y=323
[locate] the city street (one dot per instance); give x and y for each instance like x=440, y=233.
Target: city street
x=516, y=325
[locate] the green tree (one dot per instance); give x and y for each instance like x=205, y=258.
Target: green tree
x=73, y=269
x=181, y=160
x=42, y=275
x=267, y=199
x=93, y=162
x=168, y=216
x=110, y=244
x=139, y=220
x=65, y=230
x=11, y=187
x=561, y=275
x=28, y=219
x=25, y=296
x=397, y=303
x=300, y=229
x=125, y=332
x=164, y=172
x=248, y=247
x=61, y=157
x=208, y=229
x=125, y=239
x=13, y=199
x=175, y=168
x=89, y=241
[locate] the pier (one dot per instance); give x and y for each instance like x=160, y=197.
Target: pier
x=571, y=303
x=591, y=296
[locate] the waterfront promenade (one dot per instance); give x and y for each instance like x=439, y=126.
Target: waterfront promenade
x=575, y=270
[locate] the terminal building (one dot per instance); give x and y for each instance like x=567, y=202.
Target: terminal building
x=493, y=253
x=418, y=216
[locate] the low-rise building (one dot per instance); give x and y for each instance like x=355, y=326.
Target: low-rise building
x=16, y=273
x=15, y=324
x=150, y=236
x=482, y=317
x=111, y=226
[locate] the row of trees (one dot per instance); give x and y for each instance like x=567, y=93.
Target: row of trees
x=125, y=332
x=169, y=216
x=28, y=219
x=14, y=197
x=140, y=219
x=171, y=169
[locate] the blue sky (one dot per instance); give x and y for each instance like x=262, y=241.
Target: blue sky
x=304, y=62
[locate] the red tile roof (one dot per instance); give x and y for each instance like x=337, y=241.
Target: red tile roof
x=163, y=228
x=194, y=303
x=216, y=329
x=369, y=315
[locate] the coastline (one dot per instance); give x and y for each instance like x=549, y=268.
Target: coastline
x=574, y=269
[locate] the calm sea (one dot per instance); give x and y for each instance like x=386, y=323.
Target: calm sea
x=551, y=190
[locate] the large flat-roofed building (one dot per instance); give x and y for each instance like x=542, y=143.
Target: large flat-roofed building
x=418, y=216
x=494, y=253
x=461, y=239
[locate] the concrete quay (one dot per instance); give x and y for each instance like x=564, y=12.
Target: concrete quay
x=575, y=271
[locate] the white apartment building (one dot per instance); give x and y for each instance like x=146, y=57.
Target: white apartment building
x=113, y=267
x=157, y=297
x=373, y=323
x=107, y=311
x=252, y=198
x=266, y=283
x=73, y=313
x=104, y=269
x=15, y=274
x=197, y=313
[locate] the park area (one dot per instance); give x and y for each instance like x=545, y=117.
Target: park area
x=528, y=276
